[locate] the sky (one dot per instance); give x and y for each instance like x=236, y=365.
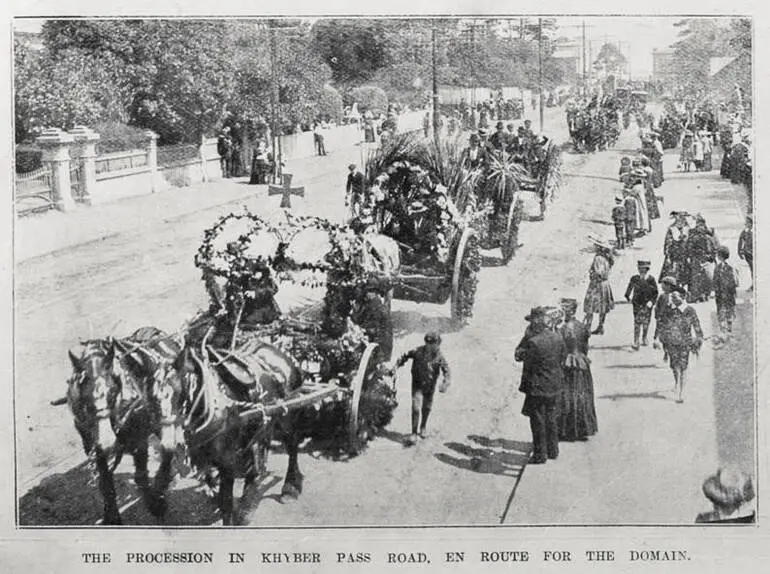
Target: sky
x=638, y=35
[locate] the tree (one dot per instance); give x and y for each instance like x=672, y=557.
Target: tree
x=700, y=39
x=610, y=59
x=66, y=88
x=353, y=49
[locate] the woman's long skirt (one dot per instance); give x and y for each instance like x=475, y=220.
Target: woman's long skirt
x=577, y=413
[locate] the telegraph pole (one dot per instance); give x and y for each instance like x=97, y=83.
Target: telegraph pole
x=435, y=84
x=274, y=99
x=585, y=77
x=540, y=66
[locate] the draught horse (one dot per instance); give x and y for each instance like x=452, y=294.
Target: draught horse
x=219, y=397
x=109, y=396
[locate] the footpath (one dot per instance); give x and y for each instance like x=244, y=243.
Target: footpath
x=651, y=455
x=46, y=233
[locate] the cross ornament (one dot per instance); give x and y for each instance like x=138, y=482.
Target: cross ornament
x=286, y=190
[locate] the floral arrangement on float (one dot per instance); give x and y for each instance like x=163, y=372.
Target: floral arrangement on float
x=304, y=250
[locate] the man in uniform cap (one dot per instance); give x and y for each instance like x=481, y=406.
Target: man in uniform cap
x=642, y=292
x=427, y=364
x=499, y=139
x=542, y=353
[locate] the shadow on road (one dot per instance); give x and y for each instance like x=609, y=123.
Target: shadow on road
x=625, y=366
x=618, y=396
x=597, y=221
x=589, y=176
x=494, y=456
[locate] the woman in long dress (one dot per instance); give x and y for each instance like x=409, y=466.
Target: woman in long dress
x=701, y=250
x=599, y=297
x=577, y=413
x=653, y=209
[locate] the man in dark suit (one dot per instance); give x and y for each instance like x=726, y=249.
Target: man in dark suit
x=642, y=292
x=354, y=189
x=543, y=353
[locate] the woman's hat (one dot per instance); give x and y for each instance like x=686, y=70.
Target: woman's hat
x=599, y=243
x=729, y=487
x=679, y=213
x=642, y=263
x=668, y=280
x=568, y=303
x=619, y=198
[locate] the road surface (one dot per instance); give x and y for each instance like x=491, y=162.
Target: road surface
x=472, y=468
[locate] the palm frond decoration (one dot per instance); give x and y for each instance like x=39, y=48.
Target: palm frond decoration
x=504, y=177
x=398, y=148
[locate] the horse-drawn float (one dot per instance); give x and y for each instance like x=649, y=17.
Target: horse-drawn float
x=291, y=347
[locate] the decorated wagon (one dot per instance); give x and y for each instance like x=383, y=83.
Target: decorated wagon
x=292, y=346
x=412, y=202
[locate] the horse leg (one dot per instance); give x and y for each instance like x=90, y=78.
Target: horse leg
x=107, y=488
x=292, y=486
x=226, y=481
x=157, y=499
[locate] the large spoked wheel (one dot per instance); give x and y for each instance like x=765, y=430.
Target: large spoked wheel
x=509, y=242
x=358, y=432
x=465, y=277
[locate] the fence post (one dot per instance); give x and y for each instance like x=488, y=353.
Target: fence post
x=56, y=153
x=85, y=155
x=152, y=159
x=202, y=154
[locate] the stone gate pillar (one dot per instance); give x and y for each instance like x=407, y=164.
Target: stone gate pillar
x=84, y=152
x=56, y=153
x=152, y=159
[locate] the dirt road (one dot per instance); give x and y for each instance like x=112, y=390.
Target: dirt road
x=466, y=472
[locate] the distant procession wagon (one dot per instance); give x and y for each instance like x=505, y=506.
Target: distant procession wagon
x=412, y=193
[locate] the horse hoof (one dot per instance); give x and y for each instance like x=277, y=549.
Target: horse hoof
x=157, y=505
x=290, y=492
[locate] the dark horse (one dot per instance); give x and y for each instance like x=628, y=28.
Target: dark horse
x=108, y=395
x=231, y=406
x=221, y=399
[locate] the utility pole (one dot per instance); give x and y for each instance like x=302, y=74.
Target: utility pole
x=276, y=143
x=435, y=85
x=585, y=85
x=540, y=66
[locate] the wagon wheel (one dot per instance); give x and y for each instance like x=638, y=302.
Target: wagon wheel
x=510, y=240
x=465, y=277
x=357, y=436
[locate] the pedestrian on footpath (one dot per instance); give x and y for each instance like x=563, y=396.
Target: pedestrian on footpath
x=746, y=247
x=427, y=364
x=662, y=312
x=725, y=288
x=577, y=412
x=619, y=221
x=683, y=336
x=675, y=249
x=354, y=190
x=543, y=355
x=642, y=292
x=629, y=203
x=599, y=297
